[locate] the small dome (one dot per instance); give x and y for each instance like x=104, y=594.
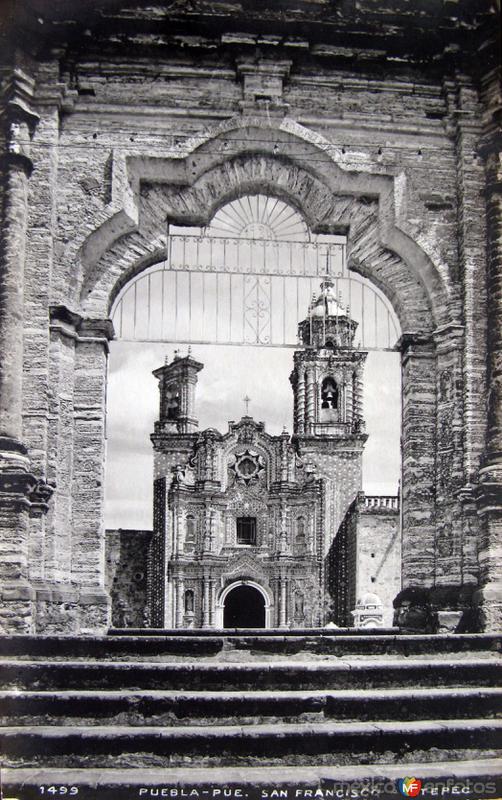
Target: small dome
x=369, y=599
x=327, y=303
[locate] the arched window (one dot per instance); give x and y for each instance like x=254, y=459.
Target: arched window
x=189, y=601
x=191, y=533
x=329, y=393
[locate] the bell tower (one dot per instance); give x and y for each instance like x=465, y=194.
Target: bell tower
x=327, y=381
x=177, y=381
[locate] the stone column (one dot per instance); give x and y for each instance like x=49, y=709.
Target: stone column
x=310, y=400
x=489, y=596
x=60, y=443
x=16, y=482
x=183, y=400
x=206, y=603
x=88, y=545
x=418, y=468
x=178, y=531
x=300, y=402
x=448, y=567
x=180, y=602
x=212, y=604
x=283, y=602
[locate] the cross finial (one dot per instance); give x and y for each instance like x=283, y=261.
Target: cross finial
x=247, y=401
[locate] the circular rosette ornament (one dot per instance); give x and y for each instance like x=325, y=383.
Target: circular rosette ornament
x=248, y=466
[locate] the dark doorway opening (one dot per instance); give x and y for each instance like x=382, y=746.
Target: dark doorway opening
x=244, y=608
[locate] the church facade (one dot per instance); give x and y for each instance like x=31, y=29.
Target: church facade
x=245, y=523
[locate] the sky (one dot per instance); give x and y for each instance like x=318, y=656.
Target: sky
x=230, y=373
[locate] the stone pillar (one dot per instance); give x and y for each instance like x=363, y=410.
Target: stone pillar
x=180, y=602
x=470, y=536
x=159, y=599
x=418, y=468
x=449, y=456
x=88, y=545
x=60, y=443
x=283, y=602
x=206, y=603
x=177, y=531
x=310, y=400
x=489, y=597
x=300, y=402
x=212, y=604
x=16, y=482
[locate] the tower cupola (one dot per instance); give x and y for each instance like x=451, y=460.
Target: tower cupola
x=328, y=324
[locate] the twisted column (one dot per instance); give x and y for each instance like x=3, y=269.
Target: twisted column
x=300, y=403
x=310, y=400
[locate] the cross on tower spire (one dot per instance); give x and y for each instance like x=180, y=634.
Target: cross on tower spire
x=247, y=401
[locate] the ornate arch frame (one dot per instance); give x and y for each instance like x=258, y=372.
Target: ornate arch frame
x=220, y=601
x=329, y=194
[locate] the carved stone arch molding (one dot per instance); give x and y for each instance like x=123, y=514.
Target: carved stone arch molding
x=296, y=165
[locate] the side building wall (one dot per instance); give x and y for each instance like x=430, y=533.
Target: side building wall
x=364, y=561
x=126, y=576
x=378, y=564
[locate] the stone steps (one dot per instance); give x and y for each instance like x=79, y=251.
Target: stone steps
x=140, y=708
x=293, y=633
x=337, y=742
x=212, y=644
x=333, y=674
x=139, y=702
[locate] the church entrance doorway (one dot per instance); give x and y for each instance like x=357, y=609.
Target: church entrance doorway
x=244, y=608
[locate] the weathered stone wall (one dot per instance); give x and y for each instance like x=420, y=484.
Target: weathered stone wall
x=378, y=567
x=396, y=151
x=126, y=576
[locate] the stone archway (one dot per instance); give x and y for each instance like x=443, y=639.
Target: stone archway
x=331, y=199
x=243, y=604
x=333, y=195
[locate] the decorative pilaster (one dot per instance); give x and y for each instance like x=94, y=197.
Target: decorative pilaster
x=206, y=603
x=418, y=469
x=449, y=537
x=180, y=605
x=16, y=482
x=283, y=603
x=212, y=603
x=489, y=494
x=88, y=532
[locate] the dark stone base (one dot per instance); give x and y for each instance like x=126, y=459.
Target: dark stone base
x=439, y=609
